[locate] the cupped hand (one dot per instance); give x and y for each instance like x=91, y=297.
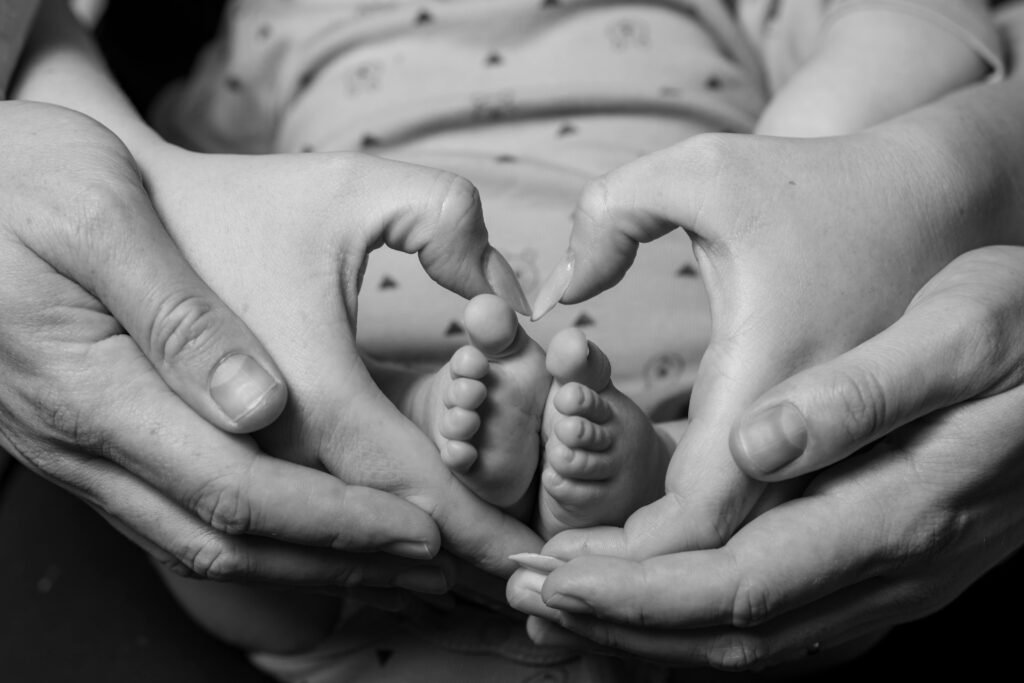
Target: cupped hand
x=284, y=240
x=124, y=375
x=889, y=535
x=806, y=248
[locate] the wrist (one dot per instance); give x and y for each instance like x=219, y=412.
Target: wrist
x=969, y=153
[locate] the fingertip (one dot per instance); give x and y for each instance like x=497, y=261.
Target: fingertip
x=503, y=281
x=769, y=440
x=554, y=287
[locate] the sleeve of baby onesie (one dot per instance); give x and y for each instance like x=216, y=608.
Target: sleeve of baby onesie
x=973, y=23
x=786, y=33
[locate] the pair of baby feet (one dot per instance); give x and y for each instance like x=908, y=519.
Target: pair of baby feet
x=502, y=397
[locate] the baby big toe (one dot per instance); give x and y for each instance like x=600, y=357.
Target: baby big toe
x=572, y=358
x=491, y=325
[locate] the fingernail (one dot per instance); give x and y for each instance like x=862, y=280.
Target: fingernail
x=240, y=385
x=772, y=438
x=569, y=603
x=423, y=580
x=414, y=550
x=504, y=282
x=554, y=287
x=537, y=563
x=531, y=581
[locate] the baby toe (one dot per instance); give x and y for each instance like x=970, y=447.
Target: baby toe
x=491, y=324
x=469, y=362
x=459, y=456
x=578, y=432
x=466, y=393
x=572, y=494
x=573, y=463
x=582, y=401
x=572, y=358
x=459, y=424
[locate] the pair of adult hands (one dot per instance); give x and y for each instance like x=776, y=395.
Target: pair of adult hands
x=130, y=382
x=115, y=362
x=856, y=310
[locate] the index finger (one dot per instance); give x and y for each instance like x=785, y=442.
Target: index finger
x=742, y=584
x=185, y=545
x=634, y=204
x=225, y=480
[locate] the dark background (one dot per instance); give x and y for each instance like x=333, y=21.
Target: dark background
x=80, y=603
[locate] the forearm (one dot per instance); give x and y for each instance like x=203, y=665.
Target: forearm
x=978, y=138
x=61, y=65
x=869, y=66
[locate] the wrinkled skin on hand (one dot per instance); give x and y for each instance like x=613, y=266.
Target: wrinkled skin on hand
x=807, y=248
x=109, y=350
x=287, y=252
x=811, y=251
x=889, y=535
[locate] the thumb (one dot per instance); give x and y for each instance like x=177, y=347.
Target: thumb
x=442, y=221
x=109, y=240
x=634, y=204
x=955, y=342
x=199, y=347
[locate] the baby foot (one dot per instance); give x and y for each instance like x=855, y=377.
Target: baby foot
x=603, y=458
x=484, y=408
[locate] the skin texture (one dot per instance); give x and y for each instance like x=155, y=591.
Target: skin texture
x=107, y=358
x=891, y=535
x=810, y=250
x=296, y=288
x=262, y=252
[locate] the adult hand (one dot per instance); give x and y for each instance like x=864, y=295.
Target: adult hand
x=888, y=536
x=123, y=374
x=806, y=248
x=833, y=258
x=284, y=240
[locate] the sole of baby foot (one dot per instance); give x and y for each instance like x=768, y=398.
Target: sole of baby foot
x=492, y=395
x=603, y=458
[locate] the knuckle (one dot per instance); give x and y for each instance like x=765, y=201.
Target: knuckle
x=986, y=341
x=74, y=420
x=99, y=204
x=224, y=504
x=215, y=558
x=452, y=212
x=860, y=399
x=456, y=197
x=456, y=203
x=596, y=199
x=738, y=651
x=352, y=575
x=931, y=534
x=184, y=326
x=176, y=566
x=752, y=604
